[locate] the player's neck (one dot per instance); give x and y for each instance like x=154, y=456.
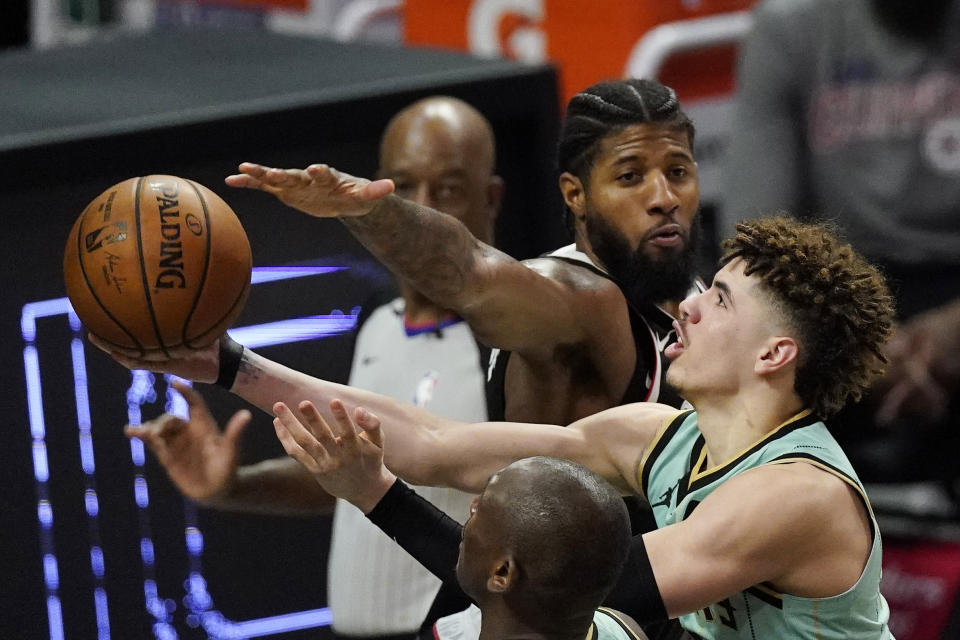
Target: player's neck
x=583, y=245
x=500, y=623
x=730, y=424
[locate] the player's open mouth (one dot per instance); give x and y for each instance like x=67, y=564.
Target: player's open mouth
x=675, y=348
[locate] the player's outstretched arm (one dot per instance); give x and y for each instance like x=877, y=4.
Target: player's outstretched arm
x=427, y=449
x=256, y=379
x=507, y=304
x=431, y=451
x=263, y=383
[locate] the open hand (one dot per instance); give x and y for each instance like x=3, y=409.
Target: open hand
x=200, y=460
x=347, y=462
x=318, y=190
x=199, y=365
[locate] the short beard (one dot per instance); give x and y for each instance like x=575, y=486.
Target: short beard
x=644, y=280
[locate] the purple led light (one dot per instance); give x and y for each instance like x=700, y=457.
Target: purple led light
x=137, y=451
x=91, y=502
x=282, y=623
x=31, y=368
x=45, y=513
x=55, y=616
x=50, y=574
x=40, y=469
x=146, y=554
x=194, y=540
x=140, y=493
x=96, y=561
x=176, y=403
x=103, y=617
x=272, y=274
x=86, y=453
x=142, y=391
x=294, y=330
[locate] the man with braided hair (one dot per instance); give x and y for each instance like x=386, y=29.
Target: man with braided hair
x=575, y=332
x=582, y=329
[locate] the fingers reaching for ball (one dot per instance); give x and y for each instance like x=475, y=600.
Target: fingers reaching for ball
x=199, y=365
x=319, y=190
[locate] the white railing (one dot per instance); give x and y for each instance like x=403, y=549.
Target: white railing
x=671, y=38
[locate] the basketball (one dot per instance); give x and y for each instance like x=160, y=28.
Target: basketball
x=157, y=263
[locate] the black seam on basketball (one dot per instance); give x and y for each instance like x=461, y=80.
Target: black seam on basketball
x=206, y=265
x=143, y=269
x=92, y=292
x=236, y=301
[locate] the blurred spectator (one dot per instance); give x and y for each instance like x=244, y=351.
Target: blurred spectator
x=850, y=110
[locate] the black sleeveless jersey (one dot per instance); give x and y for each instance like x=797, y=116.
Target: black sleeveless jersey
x=652, y=333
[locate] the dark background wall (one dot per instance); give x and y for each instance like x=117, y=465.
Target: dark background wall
x=13, y=25
x=74, y=121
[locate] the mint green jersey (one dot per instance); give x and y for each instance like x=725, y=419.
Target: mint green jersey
x=674, y=478
x=609, y=624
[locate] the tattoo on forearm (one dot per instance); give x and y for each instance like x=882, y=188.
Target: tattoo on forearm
x=434, y=252
x=249, y=372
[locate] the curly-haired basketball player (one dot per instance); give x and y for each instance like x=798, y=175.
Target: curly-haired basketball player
x=764, y=528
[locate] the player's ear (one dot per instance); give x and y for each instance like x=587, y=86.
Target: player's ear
x=503, y=576
x=777, y=353
x=572, y=190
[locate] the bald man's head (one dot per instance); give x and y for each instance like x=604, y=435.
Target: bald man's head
x=440, y=152
x=547, y=535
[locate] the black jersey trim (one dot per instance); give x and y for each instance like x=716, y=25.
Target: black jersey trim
x=661, y=440
x=766, y=595
x=646, y=370
x=693, y=504
x=788, y=458
x=698, y=481
x=580, y=263
x=698, y=458
x=649, y=312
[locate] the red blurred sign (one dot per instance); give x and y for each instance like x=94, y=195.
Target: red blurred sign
x=921, y=582
x=588, y=41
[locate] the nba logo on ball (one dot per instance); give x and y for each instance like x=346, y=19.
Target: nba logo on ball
x=157, y=263
x=114, y=232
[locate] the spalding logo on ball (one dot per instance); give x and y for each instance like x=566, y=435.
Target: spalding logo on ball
x=157, y=263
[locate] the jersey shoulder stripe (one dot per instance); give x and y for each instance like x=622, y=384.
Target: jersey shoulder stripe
x=616, y=617
x=657, y=445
